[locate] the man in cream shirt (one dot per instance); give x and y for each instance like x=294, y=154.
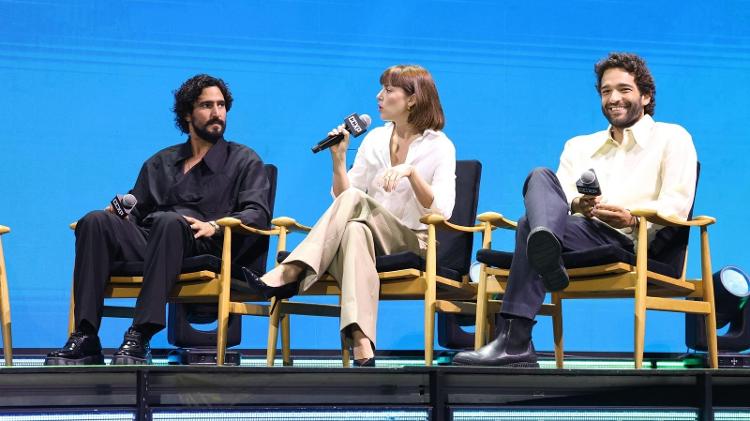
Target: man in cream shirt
x=639, y=164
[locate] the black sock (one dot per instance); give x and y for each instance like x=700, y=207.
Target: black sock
x=86, y=328
x=147, y=330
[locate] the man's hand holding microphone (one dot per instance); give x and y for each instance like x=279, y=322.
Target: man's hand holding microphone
x=123, y=205
x=591, y=206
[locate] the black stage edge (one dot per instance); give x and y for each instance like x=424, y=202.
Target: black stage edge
x=143, y=389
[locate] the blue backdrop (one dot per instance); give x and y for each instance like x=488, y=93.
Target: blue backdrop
x=87, y=94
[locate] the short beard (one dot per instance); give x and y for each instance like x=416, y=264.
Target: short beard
x=633, y=114
x=209, y=136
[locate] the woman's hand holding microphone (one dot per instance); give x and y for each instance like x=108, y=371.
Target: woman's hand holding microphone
x=338, y=151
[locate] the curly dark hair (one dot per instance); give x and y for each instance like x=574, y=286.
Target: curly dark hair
x=634, y=65
x=189, y=93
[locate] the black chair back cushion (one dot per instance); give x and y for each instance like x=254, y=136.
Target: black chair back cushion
x=251, y=251
x=454, y=248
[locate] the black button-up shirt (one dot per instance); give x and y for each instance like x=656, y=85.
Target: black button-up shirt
x=230, y=180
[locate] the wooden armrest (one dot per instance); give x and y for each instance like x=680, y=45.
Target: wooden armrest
x=237, y=226
x=497, y=220
x=671, y=221
x=290, y=224
x=440, y=222
x=234, y=223
x=4, y=229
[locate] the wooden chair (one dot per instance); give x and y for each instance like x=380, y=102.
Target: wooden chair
x=655, y=277
x=205, y=278
x=5, y=305
x=440, y=279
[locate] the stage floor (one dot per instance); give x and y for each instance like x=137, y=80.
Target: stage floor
x=414, y=392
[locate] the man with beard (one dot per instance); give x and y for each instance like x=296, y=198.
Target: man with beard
x=639, y=164
x=181, y=191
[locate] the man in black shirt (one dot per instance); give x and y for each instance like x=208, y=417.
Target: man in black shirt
x=181, y=192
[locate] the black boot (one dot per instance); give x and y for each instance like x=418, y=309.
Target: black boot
x=511, y=348
x=134, y=350
x=81, y=349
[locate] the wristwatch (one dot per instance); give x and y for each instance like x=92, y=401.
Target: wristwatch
x=216, y=227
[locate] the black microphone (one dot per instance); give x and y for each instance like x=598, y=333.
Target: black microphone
x=355, y=125
x=588, y=184
x=123, y=205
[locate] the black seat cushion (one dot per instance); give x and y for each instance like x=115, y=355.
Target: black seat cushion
x=207, y=262
x=578, y=259
x=398, y=261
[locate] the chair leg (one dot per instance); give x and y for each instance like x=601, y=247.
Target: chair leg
x=712, y=340
x=430, y=294
x=640, y=336
x=641, y=289
x=557, y=330
x=221, y=334
x=491, y=328
x=222, y=318
x=273, y=332
x=72, y=311
x=222, y=321
x=480, y=325
x=5, y=313
x=708, y=295
x=346, y=345
x=429, y=330
x=286, y=349
x=639, y=328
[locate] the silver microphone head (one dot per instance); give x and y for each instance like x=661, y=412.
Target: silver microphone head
x=129, y=201
x=366, y=120
x=588, y=177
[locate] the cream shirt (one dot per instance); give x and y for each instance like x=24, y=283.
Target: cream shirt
x=653, y=168
x=432, y=155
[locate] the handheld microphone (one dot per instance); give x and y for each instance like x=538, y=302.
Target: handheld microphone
x=355, y=125
x=123, y=205
x=588, y=184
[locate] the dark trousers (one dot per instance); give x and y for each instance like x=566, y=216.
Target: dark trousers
x=546, y=206
x=103, y=238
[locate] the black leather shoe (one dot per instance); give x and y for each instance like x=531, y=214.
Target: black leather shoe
x=268, y=292
x=81, y=349
x=511, y=348
x=544, y=253
x=134, y=350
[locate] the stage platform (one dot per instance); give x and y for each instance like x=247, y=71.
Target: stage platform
x=393, y=391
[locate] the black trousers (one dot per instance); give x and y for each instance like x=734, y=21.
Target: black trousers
x=103, y=238
x=547, y=206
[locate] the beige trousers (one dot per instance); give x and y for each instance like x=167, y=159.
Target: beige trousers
x=344, y=242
